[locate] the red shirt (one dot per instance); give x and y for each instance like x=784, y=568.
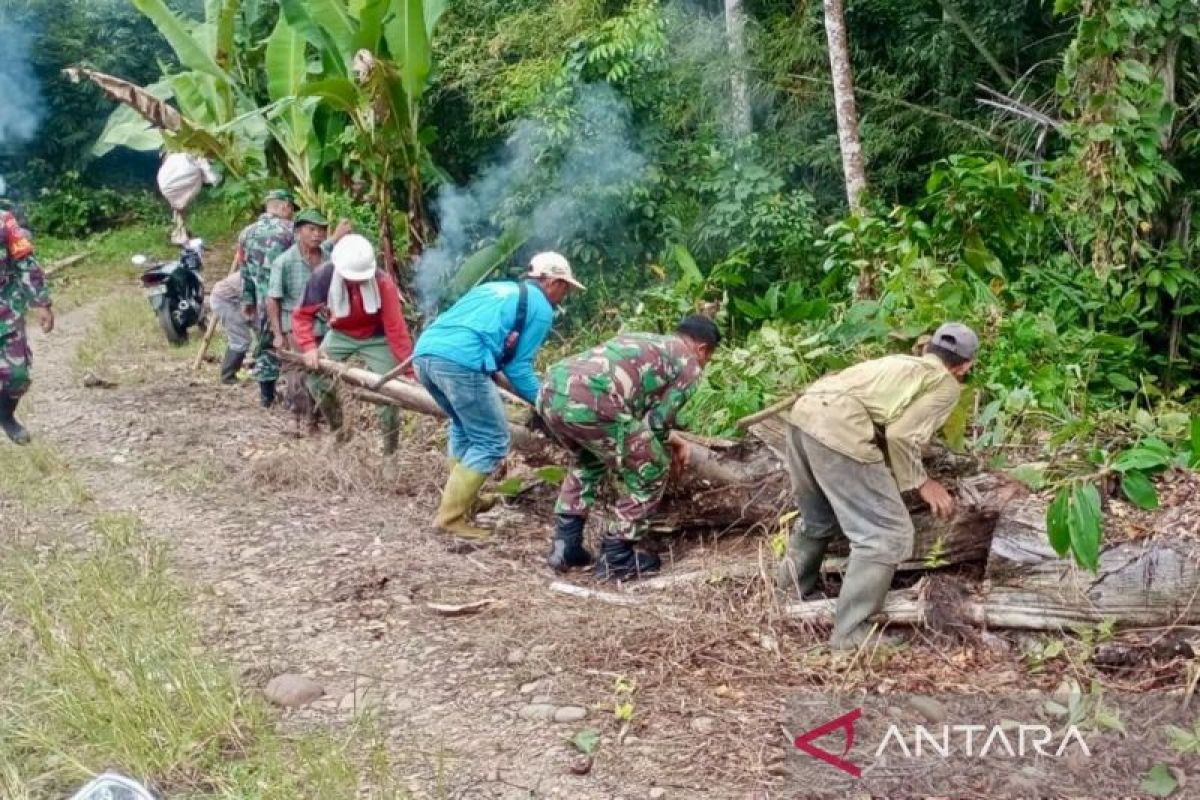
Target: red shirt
x=388, y=321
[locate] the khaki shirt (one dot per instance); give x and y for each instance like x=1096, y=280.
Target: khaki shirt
x=906, y=397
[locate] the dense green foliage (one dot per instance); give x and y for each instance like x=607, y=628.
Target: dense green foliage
x=1032, y=171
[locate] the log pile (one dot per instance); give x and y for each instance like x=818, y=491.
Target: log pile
x=743, y=486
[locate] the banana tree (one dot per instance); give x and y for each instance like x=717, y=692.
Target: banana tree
x=216, y=112
x=376, y=60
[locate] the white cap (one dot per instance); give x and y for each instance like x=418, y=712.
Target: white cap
x=353, y=258
x=553, y=265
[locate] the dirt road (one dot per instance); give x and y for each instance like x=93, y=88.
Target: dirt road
x=318, y=560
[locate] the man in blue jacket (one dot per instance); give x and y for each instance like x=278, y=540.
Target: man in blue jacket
x=492, y=333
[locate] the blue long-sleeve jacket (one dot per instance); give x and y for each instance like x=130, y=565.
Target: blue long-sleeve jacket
x=471, y=332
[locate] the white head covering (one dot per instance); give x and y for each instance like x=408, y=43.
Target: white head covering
x=353, y=260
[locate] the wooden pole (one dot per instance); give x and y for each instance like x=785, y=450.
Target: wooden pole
x=212, y=324
x=769, y=411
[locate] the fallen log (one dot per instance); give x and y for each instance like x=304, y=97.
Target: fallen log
x=705, y=466
x=54, y=267
x=1150, y=581
x=730, y=485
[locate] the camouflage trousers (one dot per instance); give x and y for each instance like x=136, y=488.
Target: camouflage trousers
x=266, y=361
x=625, y=450
x=15, y=361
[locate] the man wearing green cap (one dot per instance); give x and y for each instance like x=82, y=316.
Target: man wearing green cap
x=285, y=289
x=854, y=444
x=260, y=243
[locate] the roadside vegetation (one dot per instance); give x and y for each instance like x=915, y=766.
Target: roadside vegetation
x=1030, y=170
x=101, y=666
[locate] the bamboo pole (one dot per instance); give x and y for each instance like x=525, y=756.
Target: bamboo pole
x=212, y=324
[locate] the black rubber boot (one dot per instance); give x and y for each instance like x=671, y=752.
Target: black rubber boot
x=8, y=423
x=567, y=550
x=266, y=393
x=231, y=365
x=619, y=561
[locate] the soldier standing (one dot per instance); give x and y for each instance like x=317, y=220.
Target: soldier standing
x=22, y=286
x=260, y=243
x=615, y=407
x=287, y=280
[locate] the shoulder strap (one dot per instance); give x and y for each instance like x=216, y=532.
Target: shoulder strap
x=514, y=336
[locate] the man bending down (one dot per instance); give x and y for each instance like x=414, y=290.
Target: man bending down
x=614, y=407
x=843, y=480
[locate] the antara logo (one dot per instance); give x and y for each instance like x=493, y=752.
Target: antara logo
x=970, y=741
x=843, y=723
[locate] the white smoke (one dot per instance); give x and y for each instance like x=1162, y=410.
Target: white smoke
x=21, y=105
x=559, y=181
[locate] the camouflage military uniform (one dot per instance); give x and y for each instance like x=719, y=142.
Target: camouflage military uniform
x=614, y=406
x=22, y=286
x=260, y=243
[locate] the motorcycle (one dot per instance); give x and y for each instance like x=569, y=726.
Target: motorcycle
x=176, y=291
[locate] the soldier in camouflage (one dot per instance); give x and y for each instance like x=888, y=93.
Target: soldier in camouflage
x=614, y=407
x=260, y=243
x=22, y=287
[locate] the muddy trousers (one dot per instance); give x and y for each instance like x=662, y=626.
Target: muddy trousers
x=16, y=359
x=626, y=450
x=375, y=353
x=836, y=494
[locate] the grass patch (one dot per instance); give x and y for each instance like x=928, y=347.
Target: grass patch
x=101, y=668
x=38, y=479
x=124, y=325
x=127, y=344
x=109, y=253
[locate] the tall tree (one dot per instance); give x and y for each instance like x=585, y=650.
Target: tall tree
x=844, y=106
x=739, y=84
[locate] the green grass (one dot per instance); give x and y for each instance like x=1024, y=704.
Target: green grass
x=38, y=479
x=127, y=345
x=108, y=263
x=102, y=667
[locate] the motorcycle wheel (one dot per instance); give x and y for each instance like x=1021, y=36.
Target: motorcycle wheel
x=175, y=335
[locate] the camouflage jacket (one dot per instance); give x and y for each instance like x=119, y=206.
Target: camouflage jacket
x=260, y=243
x=637, y=375
x=22, y=282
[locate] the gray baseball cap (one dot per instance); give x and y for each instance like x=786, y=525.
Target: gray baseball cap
x=956, y=338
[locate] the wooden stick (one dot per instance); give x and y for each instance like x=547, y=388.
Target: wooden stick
x=769, y=411
x=713, y=575
x=394, y=372
x=212, y=324
x=55, y=267
x=612, y=598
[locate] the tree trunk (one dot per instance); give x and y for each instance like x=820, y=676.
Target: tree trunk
x=844, y=106
x=1152, y=582
x=739, y=84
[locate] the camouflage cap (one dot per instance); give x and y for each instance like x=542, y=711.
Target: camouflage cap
x=310, y=216
x=279, y=194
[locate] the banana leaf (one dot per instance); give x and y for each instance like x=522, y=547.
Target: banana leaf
x=327, y=24
x=476, y=267
x=186, y=46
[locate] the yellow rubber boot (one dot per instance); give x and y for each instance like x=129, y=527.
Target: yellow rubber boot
x=460, y=494
x=484, y=501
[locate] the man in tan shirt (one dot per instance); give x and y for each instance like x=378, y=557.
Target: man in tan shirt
x=854, y=444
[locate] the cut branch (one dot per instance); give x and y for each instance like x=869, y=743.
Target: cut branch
x=154, y=110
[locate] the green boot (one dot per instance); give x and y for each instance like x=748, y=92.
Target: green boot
x=864, y=590
x=460, y=494
x=800, y=568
